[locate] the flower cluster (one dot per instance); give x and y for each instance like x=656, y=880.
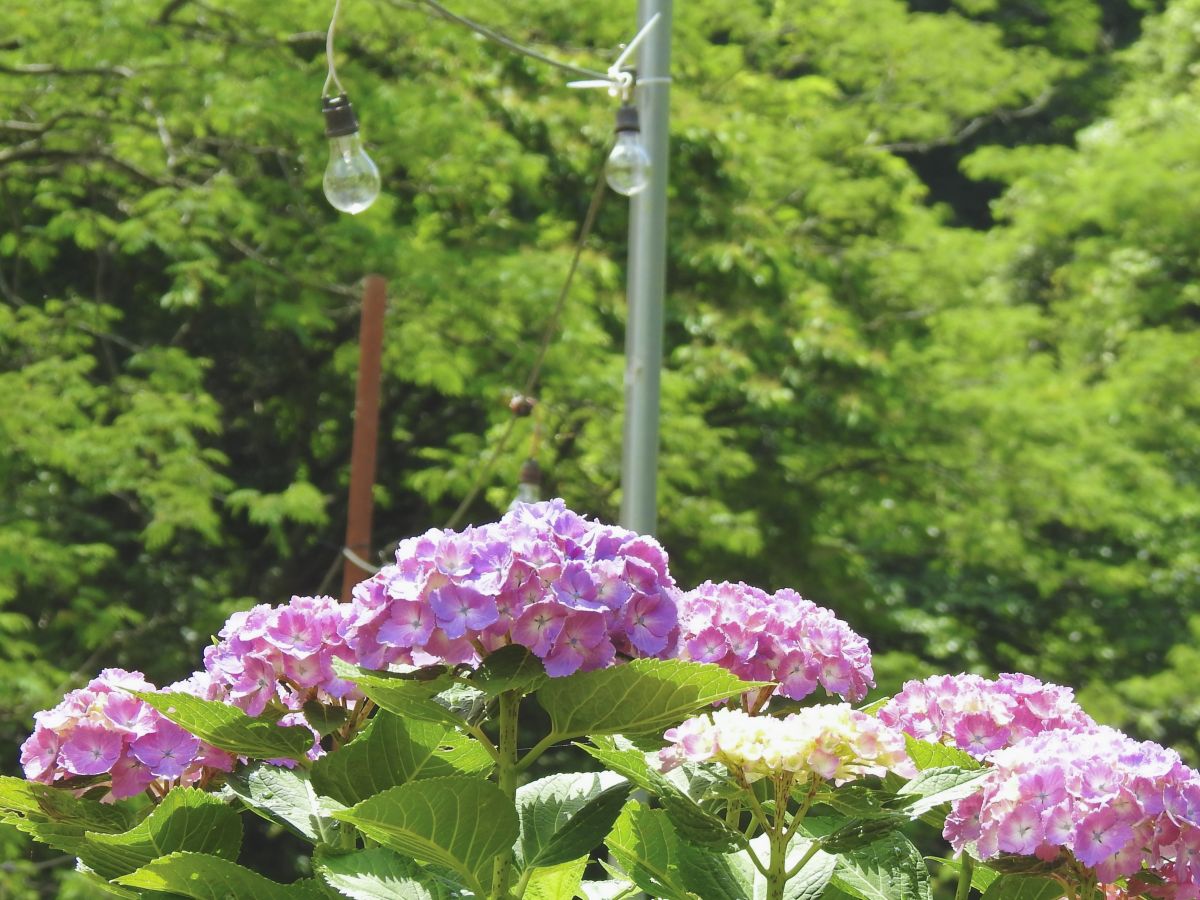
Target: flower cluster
x=979, y=715
x=1115, y=803
x=575, y=592
x=103, y=729
x=832, y=742
x=282, y=653
x=777, y=637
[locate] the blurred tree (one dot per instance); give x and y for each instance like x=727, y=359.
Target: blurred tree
x=970, y=428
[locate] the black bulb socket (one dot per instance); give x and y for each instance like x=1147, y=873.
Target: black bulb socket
x=627, y=118
x=339, y=116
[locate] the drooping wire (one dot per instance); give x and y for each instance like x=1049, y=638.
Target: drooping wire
x=331, y=78
x=535, y=371
x=503, y=40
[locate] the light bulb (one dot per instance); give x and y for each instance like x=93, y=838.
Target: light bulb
x=351, y=178
x=628, y=166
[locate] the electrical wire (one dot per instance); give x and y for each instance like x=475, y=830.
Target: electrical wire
x=535, y=371
x=504, y=41
x=331, y=77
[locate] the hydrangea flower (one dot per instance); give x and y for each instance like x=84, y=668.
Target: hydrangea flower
x=830, y=742
x=1115, y=803
x=575, y=592
x=104, y=730
x=980, y=715
x=281, y=653
x=778, y=637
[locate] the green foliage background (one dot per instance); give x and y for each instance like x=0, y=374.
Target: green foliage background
x=932, y=329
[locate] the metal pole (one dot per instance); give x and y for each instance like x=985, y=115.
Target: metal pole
x=647, y=280
x=366, y=431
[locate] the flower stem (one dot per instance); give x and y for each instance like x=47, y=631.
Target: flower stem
x=506, y=780
x=964, y=877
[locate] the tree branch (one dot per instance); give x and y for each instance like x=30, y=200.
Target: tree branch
x=973, y=126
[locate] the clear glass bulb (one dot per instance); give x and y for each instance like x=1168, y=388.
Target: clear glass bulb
x=351, y=178
x=628, y=166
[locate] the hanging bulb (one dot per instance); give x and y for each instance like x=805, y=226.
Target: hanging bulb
x=351, y=179
x=628, y=166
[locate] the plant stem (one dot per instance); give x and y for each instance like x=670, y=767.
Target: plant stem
x=538, y=749
x=506, y=780
x=964, y=878
x=777, y=835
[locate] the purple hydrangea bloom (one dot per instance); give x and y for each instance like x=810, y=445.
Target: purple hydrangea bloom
x=575, y=592
x=778, y=637
x=980, y=715
x=281, y=654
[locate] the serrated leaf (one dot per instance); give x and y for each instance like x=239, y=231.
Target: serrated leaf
x=930, y=755
x=566, y=816
x=888, y=869
x=98, y=887
x=511, y=668
x=202, y=877
x=941, y=784
x=186, y=819
x=860, y=832
x=228, y=728
x=25, y=798
x=693, y=823
x=409, y=698
x=324, y=719
x=459, y=823
x=643, y=841
x=1023, y=887
x=54, y=816
x=558, y=882
x=393, y=751
x=380, y=874
x=642, y=695
x=285, y=796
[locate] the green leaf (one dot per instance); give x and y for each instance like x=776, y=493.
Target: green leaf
x=934, y=786
x=392, y=750
x=228, y=728
x=930, y=755
x=888, y=869
x=380, y=874
x=1023, y=887
x=56, y=817
x=693, y=823
x=558, y=882
x=860, y=832
x=202, y=877
x=186, y=819
x=288, y=797
x=642, y=695
x=981, y=875
x=734, y=876
x=566, y=816
x=643, y=841
x=410, y=698
x=459, y=823
x=511, y=668
x=323, y=718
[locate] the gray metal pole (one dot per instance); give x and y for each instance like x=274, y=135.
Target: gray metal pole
x=647, y=280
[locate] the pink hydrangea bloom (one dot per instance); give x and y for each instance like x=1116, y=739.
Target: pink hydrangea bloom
x=104, y=730
x=575, y=592
x=281, y=653
x=981, y=715
x=1118, y=805
x=778, y=637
